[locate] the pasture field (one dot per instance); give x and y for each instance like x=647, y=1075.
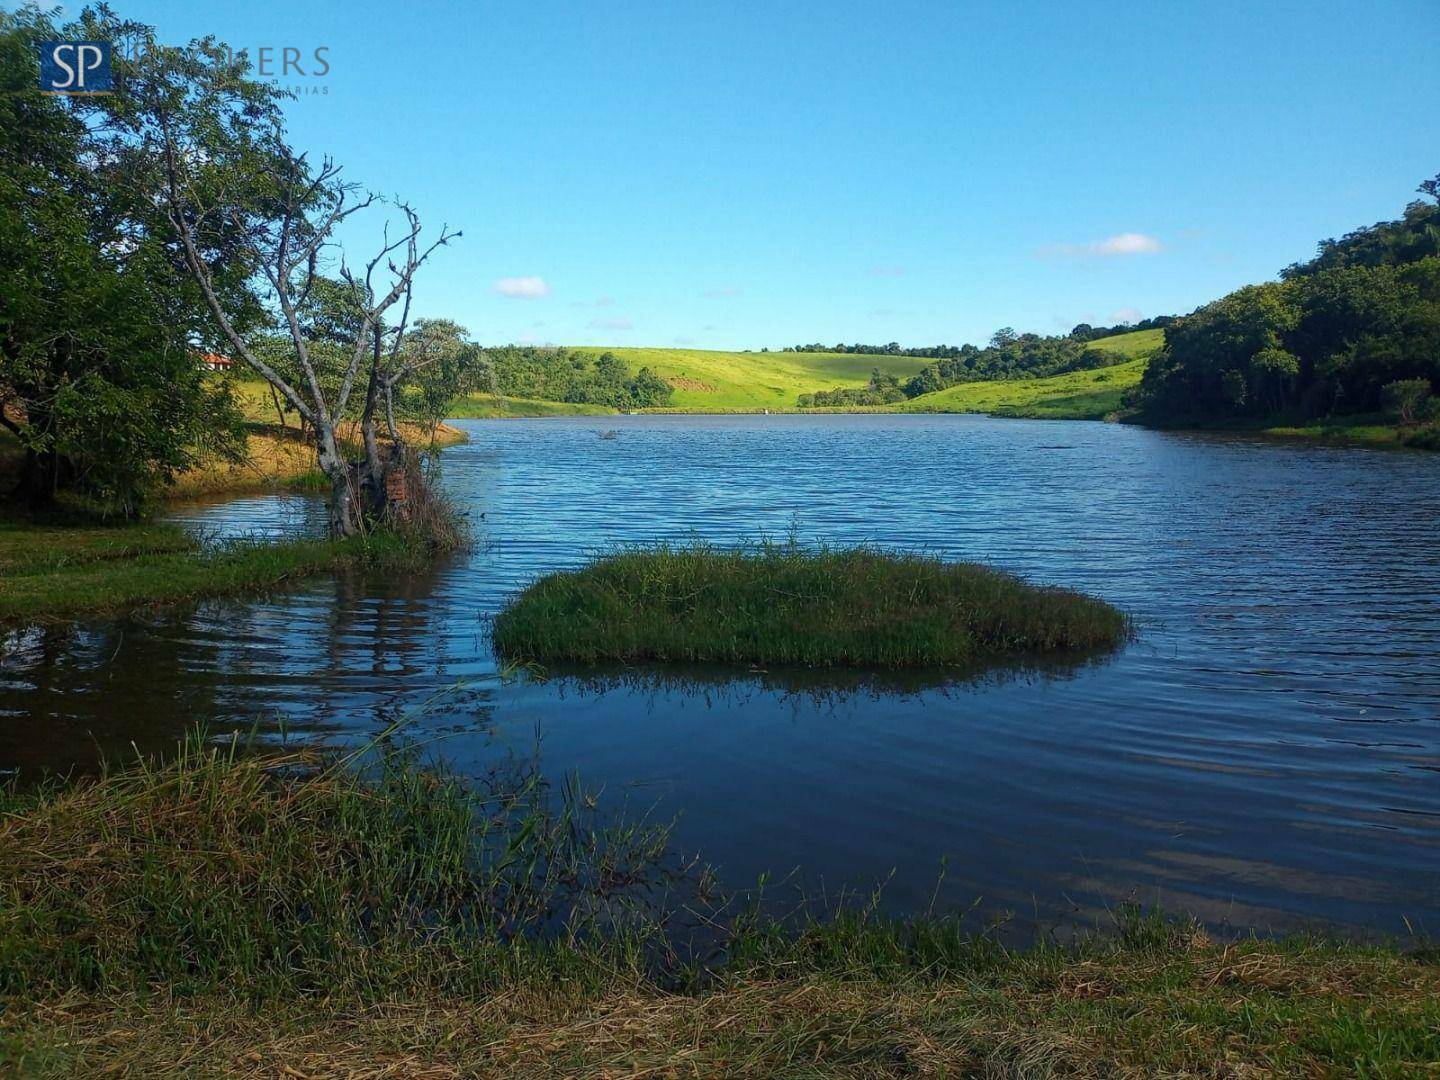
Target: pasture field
x=1077, y=395
x=706, y=379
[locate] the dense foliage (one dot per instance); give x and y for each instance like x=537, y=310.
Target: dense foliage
x=554, y=374
x=882, y=389
x=1355, y=330
x=98, y=321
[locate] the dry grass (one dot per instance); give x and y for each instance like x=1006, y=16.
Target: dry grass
x=1205, y=1010
x=281, y=458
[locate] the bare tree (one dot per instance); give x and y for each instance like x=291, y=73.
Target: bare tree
x=287, y=245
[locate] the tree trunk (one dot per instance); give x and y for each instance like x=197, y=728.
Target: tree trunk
x=343, y=520
x=373, y=468
x=39, y=478
x=275, y=400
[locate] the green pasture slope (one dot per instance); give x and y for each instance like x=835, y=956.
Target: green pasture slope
x=747, y=381
x=1078, y=395
x=712, y=381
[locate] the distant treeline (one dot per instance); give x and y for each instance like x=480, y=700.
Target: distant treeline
x=1082, y=333
x=1008, y=356
x=556, y=374
x=1086, y=332
x=1354, y=330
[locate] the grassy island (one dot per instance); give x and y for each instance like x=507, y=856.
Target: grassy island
x=259, y=914
x=772, y=603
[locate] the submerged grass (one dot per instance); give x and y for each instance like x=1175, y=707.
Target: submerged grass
x=780, y=603
x=57, y=573
x=285, y=914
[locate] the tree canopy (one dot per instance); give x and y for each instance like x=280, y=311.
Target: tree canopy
x=99, y=324
x=1328, y=338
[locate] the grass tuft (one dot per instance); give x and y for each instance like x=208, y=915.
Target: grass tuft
x=780, y=603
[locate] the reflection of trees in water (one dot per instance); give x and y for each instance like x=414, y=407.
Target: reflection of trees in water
x=339, y=658
x=74, y=694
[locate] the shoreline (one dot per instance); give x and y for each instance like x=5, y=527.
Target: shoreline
x=1363, y=434
x=67, y=565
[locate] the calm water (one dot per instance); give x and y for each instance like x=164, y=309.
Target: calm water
x=1267, y=753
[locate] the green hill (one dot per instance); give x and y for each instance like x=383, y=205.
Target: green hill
x=705, y=379
x=1137, y=344
x=1077, y=395
x=709, y=380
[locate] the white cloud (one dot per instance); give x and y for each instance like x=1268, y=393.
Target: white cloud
x=1130, y=243
x=522, y=288
x=1127, y=315
x=612, y=324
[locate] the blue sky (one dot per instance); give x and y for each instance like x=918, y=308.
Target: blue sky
x=739, y=175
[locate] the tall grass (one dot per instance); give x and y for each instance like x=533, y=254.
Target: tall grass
x=294, y=914
x=782, y=603
x=296, y=873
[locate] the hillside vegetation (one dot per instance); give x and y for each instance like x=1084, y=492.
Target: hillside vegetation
x=1079, y=395
x=706, y=379
x=1351, y=334
x=712, y=380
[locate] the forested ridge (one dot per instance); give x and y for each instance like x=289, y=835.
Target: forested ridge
x=1354, y=331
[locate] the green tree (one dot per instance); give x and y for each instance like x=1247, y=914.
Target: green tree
x=98, y=377
x=1405, y=398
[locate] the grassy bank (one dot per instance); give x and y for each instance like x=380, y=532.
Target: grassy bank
x=264, y=915
x=279, y=456
x=1359, y=430
x=781, y=604
x=58, y=572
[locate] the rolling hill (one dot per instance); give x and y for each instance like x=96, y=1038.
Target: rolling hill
x=704, y=379
x=708, y=380
x=1076, y=395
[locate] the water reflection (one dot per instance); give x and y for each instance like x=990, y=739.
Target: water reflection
x=816, y=686
x=1266, y=753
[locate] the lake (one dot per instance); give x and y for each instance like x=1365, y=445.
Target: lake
x=1266, y=754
